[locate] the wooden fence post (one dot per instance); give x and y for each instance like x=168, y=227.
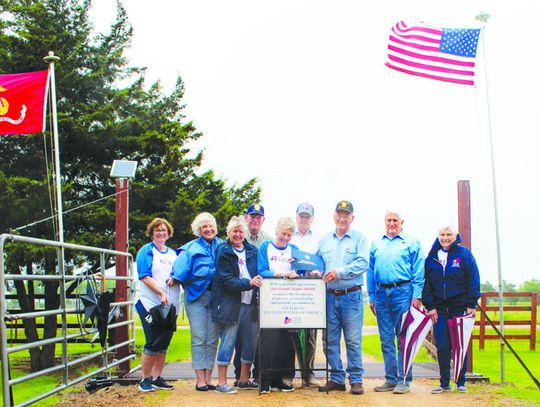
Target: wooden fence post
x=483, y=303
x=534, y=305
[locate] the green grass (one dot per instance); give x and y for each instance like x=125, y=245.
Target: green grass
x=369, y=318
x=371, y=345
x=179, y=351
x=485, y=361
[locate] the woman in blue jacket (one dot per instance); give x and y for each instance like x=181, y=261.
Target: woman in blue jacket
x=451, y=288
x=234, y=303
x=194, y=269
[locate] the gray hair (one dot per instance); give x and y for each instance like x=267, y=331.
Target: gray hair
x=451, y=228
x=393, y=211
x=200, y=220
x=286, y=222
x=235, y=222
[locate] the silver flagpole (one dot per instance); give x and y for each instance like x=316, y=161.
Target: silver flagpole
x=483, y=17
x=51, y=59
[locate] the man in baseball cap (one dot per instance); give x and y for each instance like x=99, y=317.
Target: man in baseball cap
x=346, y=257
x=255, y=219
x=308, y=241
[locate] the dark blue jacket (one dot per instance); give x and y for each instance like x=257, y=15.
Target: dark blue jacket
x=227, y=285
x=454, y=289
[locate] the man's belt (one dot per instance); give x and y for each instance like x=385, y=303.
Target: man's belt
x=344, y=290
x=390, y=285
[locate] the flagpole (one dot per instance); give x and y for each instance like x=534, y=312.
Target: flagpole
x=483, y=17
x=51, y=59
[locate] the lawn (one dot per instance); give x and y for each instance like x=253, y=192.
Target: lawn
x=179, y=351
x=485, y=361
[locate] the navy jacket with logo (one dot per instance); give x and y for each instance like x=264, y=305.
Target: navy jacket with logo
x=453, y=289
x=227, y=285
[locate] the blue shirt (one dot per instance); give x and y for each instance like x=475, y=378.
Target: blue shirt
x=195, y=265
x=348, y=256
x=396, y=259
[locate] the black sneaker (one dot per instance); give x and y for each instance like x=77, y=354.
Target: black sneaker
x=284, y=387
x=265, y=389
x=249, y=385
x=145, y=385
x=160, y=384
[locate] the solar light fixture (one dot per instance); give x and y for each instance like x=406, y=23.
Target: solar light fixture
x=123, y=169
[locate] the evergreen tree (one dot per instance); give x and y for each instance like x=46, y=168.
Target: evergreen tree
x=105, y=112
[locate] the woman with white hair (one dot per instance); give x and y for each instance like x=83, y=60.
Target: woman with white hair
x=234, y=304
x=277, y=353
x=451, y=288
x=194, y=269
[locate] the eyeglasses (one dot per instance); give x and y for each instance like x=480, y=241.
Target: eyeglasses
x=161, y=230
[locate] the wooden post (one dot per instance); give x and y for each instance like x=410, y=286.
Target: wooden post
x=121, y=334
x=481, y=339
x=464, y=213
x=534, y=304
x=464, y=226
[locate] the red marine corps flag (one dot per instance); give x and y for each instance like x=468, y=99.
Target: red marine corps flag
x=22, y=102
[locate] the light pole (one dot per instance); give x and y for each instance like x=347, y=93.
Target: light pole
x=122, y=170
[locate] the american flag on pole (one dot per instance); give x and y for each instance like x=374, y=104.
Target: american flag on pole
x=443, y=54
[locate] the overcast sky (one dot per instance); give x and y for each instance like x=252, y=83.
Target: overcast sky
x=295, y=92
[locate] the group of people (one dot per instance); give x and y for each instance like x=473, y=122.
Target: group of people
x=221, y=281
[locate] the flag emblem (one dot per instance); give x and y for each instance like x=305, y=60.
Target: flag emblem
x=22, y=102
x=443, y=54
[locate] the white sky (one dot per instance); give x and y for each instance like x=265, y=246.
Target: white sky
x=295, y=92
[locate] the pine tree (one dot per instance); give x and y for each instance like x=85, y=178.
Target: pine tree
x=105, y=112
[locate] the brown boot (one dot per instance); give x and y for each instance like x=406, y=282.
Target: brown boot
x=357, y=388
x=332, y=386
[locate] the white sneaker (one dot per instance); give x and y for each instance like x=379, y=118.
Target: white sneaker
x=226, y=389
x=311, y=381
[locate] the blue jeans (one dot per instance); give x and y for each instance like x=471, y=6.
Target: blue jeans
x=345, y=313
x=204, y=332
x=444, y=351
x=247, y=331
x=390, y=304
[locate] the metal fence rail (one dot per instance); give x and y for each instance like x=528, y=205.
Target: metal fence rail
x=63, y=310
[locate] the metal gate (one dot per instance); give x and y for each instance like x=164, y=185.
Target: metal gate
x=63, y=310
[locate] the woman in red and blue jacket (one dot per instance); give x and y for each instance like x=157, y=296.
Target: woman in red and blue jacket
x=451, y=288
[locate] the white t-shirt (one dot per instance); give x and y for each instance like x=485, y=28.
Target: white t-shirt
x=244, y=273
x=308, y=243
x=161, y=266
x=443, y=257
x=278, y=258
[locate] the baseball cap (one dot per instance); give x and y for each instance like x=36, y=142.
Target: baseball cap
x=255, y=209
x=344, y=206
x=306, y=208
